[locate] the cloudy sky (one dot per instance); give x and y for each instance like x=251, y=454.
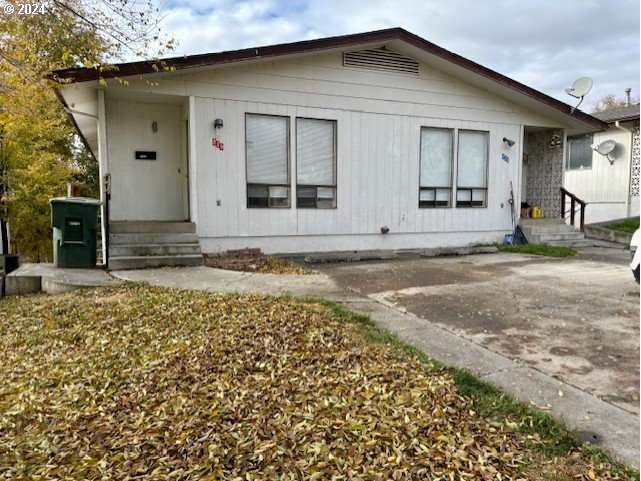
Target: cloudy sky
x=542, y=43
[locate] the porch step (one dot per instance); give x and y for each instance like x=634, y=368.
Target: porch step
x=151, y=227
x=151, y=238
x=551, y=232
x=541, y=221
x=124, y=250
x=142, y=262
x=138, y=245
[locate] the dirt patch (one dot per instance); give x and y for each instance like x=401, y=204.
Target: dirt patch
x=253, y=260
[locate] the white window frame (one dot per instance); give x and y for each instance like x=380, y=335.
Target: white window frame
x=436, y=188
x=272, y=201
x=569, y=152
x=472, y=190
x=318, y=187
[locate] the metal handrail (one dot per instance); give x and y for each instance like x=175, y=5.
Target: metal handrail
x=574, y=200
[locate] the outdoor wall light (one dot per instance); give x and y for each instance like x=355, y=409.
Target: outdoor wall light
x=218, y=123
x=508, y=141
x=384, y=229
x=154, y=126
x=556, y=142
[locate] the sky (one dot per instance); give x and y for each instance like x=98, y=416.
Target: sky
x=541, y=43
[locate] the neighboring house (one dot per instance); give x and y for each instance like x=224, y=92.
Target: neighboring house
x=610, y=188
x=380, y=140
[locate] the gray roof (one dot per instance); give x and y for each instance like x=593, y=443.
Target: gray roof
x=630, y=112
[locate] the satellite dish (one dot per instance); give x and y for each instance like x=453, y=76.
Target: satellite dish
x=579, y=89
x=605, y=148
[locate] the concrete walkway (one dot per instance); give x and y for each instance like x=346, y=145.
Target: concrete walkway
x=614, y=429
x=218, y=280
x=33, y=278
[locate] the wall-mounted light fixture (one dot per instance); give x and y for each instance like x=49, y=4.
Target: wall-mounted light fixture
x=384, y=229
x=556, y=142
x=508, y=141
x=605, y=148
x=154, y=126
x=218, y=123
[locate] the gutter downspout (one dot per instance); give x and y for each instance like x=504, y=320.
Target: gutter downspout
x=618, y=125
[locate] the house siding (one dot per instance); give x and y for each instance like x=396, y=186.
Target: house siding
x=605, y=187
x=379, y=116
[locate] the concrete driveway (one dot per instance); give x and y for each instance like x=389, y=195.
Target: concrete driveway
x=574, y=319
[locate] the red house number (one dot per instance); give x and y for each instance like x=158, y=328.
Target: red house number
x=218, y=144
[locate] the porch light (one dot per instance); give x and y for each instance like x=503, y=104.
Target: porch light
x=556, y=142
x=508, y=141
x=218, y=123
x=154, y=126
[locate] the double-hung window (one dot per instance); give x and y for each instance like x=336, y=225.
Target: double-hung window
x=435, y=180
x=267, y=153
x=315, y=163
x=471, y=173
x=580, y=152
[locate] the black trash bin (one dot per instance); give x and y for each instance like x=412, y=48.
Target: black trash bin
x=75, y=224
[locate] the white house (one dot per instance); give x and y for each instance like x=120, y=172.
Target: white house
x=380, y=140
x=610, y=184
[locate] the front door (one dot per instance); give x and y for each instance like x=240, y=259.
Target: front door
x=146, y=161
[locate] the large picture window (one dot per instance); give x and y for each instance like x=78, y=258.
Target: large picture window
x=435, y=180
x=267, y=154
x=315, y=163
x=471, y=174
x=580, y=152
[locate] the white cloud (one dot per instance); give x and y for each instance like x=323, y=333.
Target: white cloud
x=542, y=43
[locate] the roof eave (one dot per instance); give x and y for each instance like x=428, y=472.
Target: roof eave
x=72, y=119
x=309, y=46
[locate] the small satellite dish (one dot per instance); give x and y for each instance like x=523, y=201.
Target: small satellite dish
x=579, y=89
x=605, y=148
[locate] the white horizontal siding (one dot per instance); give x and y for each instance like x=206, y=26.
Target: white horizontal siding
x=379, y=116
x=605, y=187
x=377, y=176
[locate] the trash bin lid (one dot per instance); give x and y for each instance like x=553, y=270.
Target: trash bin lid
x=75, y=200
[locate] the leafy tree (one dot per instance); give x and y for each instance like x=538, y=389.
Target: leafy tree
x=40, y=151
x=610, y=101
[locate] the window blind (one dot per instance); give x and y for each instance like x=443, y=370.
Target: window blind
x=580, y=152
x=436, y=158
x=267, y=139
x=315, y=152
x=472, y=159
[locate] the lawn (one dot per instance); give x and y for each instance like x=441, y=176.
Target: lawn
x=538, y=249
x=145, y=383
x=627, y=225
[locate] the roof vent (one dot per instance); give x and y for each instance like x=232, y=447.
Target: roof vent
x=381, y=59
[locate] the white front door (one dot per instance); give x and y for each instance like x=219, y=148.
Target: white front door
x=144, y=188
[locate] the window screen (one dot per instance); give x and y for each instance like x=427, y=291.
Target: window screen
x=580, y=152
x=472, y=168
x=316, y=163
x=267, y=151
x=436, y=167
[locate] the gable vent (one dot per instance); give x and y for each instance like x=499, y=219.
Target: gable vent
x=381, y=59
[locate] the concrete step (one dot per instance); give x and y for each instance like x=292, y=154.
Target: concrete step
x=142, y=262
x=151, y=227
x=571, y=243
x=151, y=238
x=120, y=250
x=546, y=228
x=541, y=221
x=569, y=236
